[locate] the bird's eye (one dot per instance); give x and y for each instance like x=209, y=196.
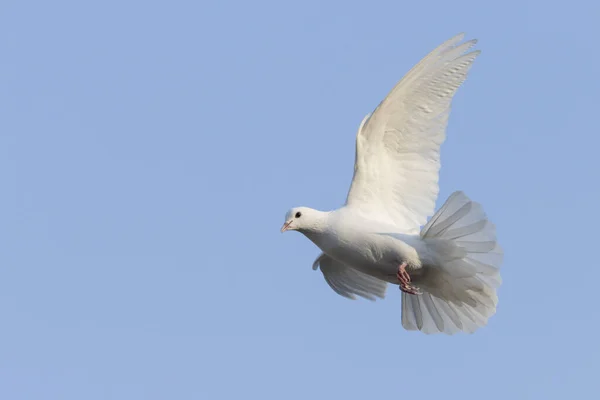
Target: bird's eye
x=298, y=214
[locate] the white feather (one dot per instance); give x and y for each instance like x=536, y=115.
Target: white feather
x=454, y=260
x=459, y=292
x=398, y=146
x=349, y=282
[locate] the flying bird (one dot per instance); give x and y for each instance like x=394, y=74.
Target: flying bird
x=448, y=270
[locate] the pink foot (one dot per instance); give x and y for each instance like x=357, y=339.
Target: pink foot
x=404, y=279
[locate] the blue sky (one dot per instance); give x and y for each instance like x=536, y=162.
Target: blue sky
x=148, y=154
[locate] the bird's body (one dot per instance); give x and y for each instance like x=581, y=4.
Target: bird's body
x=448, y=270
x=371, y=247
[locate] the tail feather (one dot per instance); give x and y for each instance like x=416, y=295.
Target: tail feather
x=459, y=291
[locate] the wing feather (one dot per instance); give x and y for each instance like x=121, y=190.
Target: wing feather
x=349, y=282
x=398, y=145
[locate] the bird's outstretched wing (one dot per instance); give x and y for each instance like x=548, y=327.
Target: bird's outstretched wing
x=349, y=282
x=398, y=145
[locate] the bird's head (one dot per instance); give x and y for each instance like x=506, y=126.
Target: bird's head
x=302, y=219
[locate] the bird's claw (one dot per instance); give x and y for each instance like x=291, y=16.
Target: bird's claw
x=410, y=289
x=404, y=279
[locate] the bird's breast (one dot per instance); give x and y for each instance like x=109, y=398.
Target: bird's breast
x=372, y=252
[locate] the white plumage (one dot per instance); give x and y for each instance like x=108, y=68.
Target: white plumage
x=454, y=259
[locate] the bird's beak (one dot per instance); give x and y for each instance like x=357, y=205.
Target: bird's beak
x=286, y=226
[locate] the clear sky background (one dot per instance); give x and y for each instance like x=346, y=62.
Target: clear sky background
x=148, y=154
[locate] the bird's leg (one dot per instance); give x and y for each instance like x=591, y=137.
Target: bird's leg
x=404, y=279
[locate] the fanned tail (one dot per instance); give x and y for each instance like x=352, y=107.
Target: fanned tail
x=459, y=292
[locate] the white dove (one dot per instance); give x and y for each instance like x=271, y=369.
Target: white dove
x=449, y=270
